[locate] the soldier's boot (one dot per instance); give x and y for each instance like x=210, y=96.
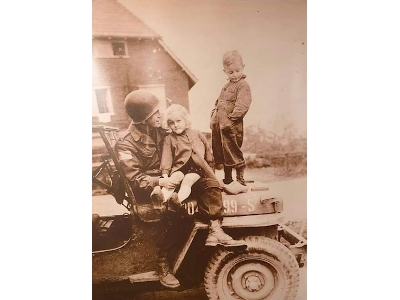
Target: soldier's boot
x=167, y=278
x=216, y=236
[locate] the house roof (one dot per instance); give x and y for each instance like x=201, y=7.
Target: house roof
x=192, y=78
x=111, y=19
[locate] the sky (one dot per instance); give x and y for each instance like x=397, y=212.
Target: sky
x=270, y=35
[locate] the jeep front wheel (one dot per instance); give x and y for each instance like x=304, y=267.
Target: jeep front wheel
x=267, y=271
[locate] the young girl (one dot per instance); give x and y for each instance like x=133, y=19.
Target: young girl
x=186, y=155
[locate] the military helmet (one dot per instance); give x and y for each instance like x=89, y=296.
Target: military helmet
x=141, y=105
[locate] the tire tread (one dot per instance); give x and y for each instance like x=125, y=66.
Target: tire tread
x=255, y=244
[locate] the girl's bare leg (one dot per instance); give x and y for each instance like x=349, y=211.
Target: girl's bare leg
x=186, y=185
x=178, y=176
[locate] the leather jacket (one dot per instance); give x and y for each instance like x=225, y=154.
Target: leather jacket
x=138, y=151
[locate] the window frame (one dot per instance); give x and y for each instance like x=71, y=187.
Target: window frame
x=106, y=117
x=110, y=54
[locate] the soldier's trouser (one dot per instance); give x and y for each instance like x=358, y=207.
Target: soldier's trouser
x=209, y=201
x=170, y=229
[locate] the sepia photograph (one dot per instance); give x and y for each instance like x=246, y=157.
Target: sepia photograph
x=225, y=138
x=199, y=149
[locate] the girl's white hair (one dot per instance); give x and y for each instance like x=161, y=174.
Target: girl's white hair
x=177, y=109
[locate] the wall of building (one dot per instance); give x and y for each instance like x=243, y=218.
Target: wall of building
x=148, y=64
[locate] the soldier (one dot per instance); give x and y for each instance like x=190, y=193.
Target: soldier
x=139, y=153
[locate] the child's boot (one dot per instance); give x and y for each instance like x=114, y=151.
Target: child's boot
x=240, y=176
x=235, y=188
x=238, y=186
x=228, y=175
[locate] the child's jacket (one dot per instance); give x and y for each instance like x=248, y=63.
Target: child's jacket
x=178, y=149
x=232, y=104
x=227, y=123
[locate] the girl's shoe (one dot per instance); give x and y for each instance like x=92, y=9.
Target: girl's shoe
x=173, y=203
x=157, y=198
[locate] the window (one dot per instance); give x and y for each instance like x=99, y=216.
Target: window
x=101, y=97
x=102, y=104
x=109, y=49
x=118, y=49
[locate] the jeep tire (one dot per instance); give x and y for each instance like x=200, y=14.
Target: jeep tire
x=267, y=270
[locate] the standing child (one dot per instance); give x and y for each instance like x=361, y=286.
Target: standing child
x=227, y=123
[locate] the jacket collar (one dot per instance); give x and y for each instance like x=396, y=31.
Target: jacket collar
x=135, y=132
x=191, y=135
x=141, y=132
x=243, y=77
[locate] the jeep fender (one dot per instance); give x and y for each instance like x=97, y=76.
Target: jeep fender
x=228, y=222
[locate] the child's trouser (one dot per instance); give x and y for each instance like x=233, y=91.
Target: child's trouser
x=226, y=145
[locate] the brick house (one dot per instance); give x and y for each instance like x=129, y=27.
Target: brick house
x=128, y=55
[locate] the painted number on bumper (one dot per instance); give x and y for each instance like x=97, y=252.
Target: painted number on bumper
x=231, y=206
x=190, y=208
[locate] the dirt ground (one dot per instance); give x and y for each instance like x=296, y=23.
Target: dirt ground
x=136, y=257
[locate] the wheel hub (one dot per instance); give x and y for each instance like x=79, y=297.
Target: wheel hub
x=253, y=282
